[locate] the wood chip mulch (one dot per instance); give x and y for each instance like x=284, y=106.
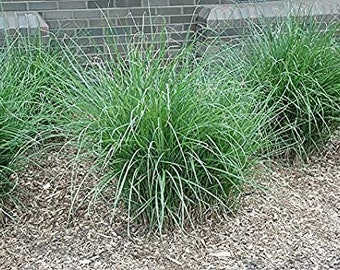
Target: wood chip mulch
x=292, y=224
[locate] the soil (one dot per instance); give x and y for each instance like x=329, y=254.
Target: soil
x=292, y=223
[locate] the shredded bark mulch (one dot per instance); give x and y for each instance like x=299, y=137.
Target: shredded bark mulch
x=294, y=223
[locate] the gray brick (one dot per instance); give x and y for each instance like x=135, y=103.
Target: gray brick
x=66, y=4
x=88, y=50
x=169, y=10
x=91, y=13
x=118, y=31
x=13, y=6
x=142, y=11
x=128, y=3
x=129, y=21
x=180, y=19
x=191, y=10
x=69, y=24
x=207, y=2
x=85, y=41
x=156, y=20
x=57, y=14
x=61, y=33
x=155, y=3
x=93, y=32
x=101, y=4
x=181, y=2
x=233, y=1
x=99, y=22
x=117, y=12
x=42, y=5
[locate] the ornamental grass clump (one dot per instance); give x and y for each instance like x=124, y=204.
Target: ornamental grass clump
x=296, y=67
x=174, y=141
x=27, y=105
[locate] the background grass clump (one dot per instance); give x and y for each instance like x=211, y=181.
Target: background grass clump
x=295, y=65
x=174, y=140
x=28, y=105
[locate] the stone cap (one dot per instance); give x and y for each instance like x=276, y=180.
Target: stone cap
x=229, y=14
x=25, y=23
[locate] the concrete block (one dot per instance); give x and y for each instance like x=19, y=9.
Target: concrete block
x=27, y=23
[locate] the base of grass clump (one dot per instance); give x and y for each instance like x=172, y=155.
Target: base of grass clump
x=175, y=141
x=6, y=185
x=296, y=68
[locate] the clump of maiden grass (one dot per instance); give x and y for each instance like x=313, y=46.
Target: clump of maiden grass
x=174, y=140
x=295, y=65
x=29, y=81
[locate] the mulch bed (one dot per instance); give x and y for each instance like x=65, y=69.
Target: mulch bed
x=294, y=223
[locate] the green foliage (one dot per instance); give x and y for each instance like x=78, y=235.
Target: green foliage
x=28, y=105
x=175, y=136
x=297, y=69
x=175, y=141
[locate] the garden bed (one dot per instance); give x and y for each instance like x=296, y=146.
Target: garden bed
x=146, y=161
x=294, y=224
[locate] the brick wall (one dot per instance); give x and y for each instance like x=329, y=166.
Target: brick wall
x=91, y=20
